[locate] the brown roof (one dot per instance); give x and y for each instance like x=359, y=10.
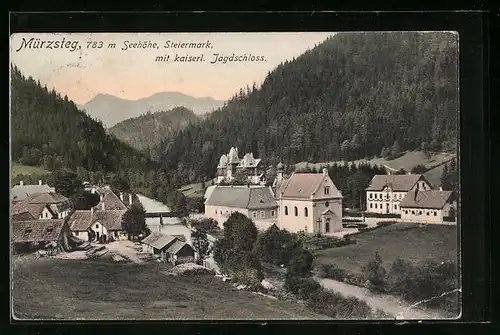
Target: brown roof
x=301, y=185
x=401, y=183
x=178, y=246
x=433, y=199
x=111, y=202
x=242, y=197
x=36, y=230
x=22, y=216
x=111, y=219
x=80, y=220
x=47, y=198
x=159, y=240
x=34, y=210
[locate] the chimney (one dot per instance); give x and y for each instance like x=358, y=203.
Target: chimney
x=21, y=183
x=103, y=206
x=121, y=196
x=40, y=182
x=130, y=199
x=325, y=172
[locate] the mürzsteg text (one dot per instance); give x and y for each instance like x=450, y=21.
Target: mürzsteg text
x=36, y=43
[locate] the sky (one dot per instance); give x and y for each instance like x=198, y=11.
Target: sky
x=82, y=71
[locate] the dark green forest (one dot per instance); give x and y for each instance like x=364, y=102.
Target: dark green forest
x=355, y=95
x=147, y=130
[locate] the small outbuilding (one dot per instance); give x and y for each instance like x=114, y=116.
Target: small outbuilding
x=168, y=248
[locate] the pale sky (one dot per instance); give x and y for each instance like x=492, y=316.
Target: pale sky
x=134, y=73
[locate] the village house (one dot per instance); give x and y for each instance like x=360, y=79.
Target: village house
x=308, y=202
x=102, y=223
x=256, y=202
x=21, y=192
x=32, y=235
x=429, y=206
x=168, y=248
x=231, y=165
x=43, y=206
x=386, y=192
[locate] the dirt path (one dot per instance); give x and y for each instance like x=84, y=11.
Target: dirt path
x=126, y=249
x=387, y=303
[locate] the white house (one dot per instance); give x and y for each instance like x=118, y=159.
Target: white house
x=47, y=205
x=308, y=202
x=429, y=206
x=256, y=202
x=385, y=192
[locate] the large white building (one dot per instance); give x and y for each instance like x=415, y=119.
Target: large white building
x=385, y=192
x=430, y=206
x=231, y=165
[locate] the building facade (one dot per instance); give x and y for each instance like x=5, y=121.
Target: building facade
x=230, y=166
x=430, y=206
x=386, y=192
x=309, y=202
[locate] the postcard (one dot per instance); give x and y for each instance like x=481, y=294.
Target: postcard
x=235, y=176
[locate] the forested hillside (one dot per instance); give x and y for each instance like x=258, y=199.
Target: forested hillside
x=356, y=95
x=148, y=129
x=48, y=130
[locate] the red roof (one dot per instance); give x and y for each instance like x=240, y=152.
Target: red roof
x=36, y=230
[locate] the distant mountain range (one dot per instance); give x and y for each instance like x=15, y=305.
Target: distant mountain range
x=149, y=129
x=111, y=109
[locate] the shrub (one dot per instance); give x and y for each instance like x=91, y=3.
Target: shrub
x=302, y=287
x=374, y=273
x=247, y=276
x=333, y=272
x=385, y=223
x=300, y=264
x=276, y=246
x=336, y=305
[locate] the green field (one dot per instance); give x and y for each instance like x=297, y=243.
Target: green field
x=68, y=289
x=407, y=161
x=407, y=241
x=195, y=190
x=27, y=170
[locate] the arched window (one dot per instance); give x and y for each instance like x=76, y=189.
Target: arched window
x=296, y=210
x=306, y=212
x=327, y=204
x=286, y=210
x=327, y=225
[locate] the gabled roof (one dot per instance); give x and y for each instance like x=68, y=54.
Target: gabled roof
x=111, y=202
x=242, y=197
x=432, y=199
x=19, y=193
x=80, y=220
x=48, y=198
x=36, y=230
x=159, y=240
x=398, y=183
x=111, y=219
x=328, y=210
x=177, y=246
x=34, y=210
x=301, y=185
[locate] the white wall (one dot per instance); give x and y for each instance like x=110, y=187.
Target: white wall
x=222, y=213
x=46, y=214
x=82, y=235
x=422, y=215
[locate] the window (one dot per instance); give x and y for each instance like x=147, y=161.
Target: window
x=215, y=211
x=273, y=213
x=427, y=213
x=76, y=233
x=371, y=205
x=286, y=210
x=419, y=212
x=327, y=226
x=306, y=212
x=406, y=212
x=296, y=211
x=97, y=226
x=262, y=214
x=116, y=233
x=412, y=212
x=326, y=190
x=254, y=215
x=395, y=206
x=376, y=205
x=435, y=213
x=327, y=204
x=369, y=195
x=46, y=215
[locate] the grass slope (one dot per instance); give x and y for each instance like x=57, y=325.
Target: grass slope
x=61, y=289
x=407, y=161
x=27, y=170
x=404, y=240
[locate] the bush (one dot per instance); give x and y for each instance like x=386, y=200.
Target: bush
x=276, y=246
x=333, y=272
x=374, y=273
x=300, y=264
x=385, y=223
x=247, y=276
x=352, y=220
x=449, y=218
x=336, y=305
x=302, y=287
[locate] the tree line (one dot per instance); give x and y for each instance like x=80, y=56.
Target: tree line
x=356, y=95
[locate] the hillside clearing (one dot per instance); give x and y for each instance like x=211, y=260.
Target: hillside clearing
x=18, y=169
x=88, y=290
x=407, y=161
x=402, y=240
